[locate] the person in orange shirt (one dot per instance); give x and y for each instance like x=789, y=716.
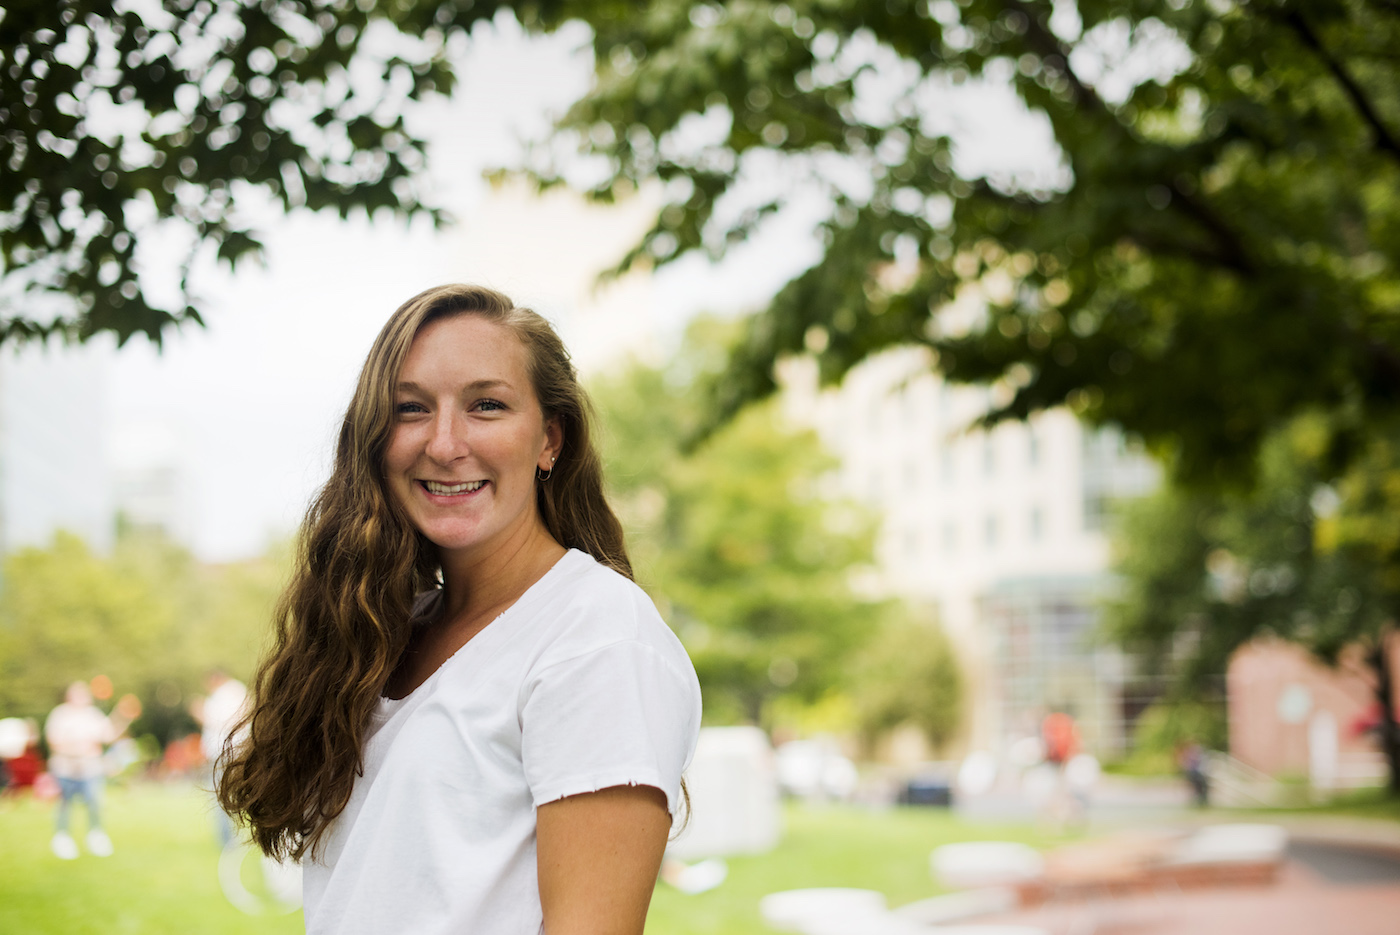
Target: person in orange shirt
x=1061, y=737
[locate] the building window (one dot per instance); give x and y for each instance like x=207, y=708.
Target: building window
x=950, y=536
x=989, y=456
x=946, y=463
x=990, y=532
x=1033, y=449
x=1037, y=524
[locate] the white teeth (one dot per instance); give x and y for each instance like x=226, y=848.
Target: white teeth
x=449, y=489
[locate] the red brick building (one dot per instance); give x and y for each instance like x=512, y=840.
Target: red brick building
x=1293, y=716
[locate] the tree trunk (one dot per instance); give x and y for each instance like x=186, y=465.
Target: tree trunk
x=1385, y=696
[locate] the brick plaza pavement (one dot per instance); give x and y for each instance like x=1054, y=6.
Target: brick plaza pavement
x=1316, y=893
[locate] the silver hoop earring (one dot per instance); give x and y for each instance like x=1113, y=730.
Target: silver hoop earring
x=547, y=474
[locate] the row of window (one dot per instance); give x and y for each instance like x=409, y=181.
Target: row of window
x=947, y=472
x=989, y=535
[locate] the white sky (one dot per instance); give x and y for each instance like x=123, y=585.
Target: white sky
x=244, y=411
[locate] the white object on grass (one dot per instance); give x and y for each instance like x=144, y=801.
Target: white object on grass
x=834, y=911
x=840, y=911
x=1039, y=783
x=985, y=863
x=694, y=878
x=977, y=773
x=278, y=885
x=1026, y=752
x=1233, y=843
x=14, y=737
x=733, y=789
x=815, y=769
x=955, y=907
x=1082, y=772
x=988, y=930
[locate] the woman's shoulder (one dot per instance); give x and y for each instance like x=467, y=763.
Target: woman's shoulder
x=596, y=607
x=592, y=592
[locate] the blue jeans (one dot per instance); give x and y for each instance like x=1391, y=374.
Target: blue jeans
x=91, y=792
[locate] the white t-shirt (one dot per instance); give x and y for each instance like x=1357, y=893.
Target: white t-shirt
x=76, y=736
x=578, y=686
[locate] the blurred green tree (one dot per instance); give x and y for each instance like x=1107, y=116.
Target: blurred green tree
x=1293, y=557
x=749, y=558
x=67, y=614
x=148, y=616
x=1215, y=252
x=1164, y=727
x=909, y=674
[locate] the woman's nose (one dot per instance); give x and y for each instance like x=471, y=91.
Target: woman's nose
x=448, y=441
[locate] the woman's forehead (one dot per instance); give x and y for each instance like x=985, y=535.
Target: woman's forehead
x=471, y=350
x=468, y=354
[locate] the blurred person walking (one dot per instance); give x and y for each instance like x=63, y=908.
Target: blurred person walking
x=1191, y=760
x=218, y=713
x=1059, y=735
x=77, y=732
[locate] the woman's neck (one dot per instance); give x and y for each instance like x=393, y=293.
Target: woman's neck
x=475, y=592
x=477, y=584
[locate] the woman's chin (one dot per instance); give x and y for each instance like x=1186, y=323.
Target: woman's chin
x=450, y=539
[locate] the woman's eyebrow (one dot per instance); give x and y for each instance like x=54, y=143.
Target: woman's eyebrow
x=476, y=386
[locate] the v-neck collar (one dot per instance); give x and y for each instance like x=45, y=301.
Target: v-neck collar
x=489, y=637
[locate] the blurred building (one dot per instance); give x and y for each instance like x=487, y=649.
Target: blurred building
x=1292, y=716
x=150, y=482
x=1002, y=531
x=67, y=464
x=53, y=464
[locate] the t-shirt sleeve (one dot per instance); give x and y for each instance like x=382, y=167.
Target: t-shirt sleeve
x=619, y=715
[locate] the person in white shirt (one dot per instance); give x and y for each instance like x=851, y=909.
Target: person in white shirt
x=77, y=732
x=471, y=720
x=218, y=714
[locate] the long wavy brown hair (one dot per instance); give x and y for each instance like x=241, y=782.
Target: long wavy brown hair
x=343, y=621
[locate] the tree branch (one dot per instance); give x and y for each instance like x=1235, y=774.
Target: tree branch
x=1046, y=44
x=1206, y=257
x=1384, y=138
x=1234, y=254
x=1385, y=700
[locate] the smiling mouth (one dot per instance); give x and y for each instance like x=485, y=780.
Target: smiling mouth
x=451, y=490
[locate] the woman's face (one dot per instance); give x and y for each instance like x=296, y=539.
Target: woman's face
x=468, y=435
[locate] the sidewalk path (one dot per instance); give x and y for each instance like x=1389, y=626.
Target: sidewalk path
x=1342, y=876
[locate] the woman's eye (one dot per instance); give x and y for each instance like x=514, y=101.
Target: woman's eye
x=404, y=409
x=489, y=405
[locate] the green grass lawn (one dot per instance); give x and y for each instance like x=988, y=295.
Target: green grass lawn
x=1375, y=804
x=829, y=846
x=163, y=877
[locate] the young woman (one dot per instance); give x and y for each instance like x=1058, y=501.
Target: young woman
x=471, y=721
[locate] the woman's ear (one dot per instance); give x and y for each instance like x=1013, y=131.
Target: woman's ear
x=554, y=444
